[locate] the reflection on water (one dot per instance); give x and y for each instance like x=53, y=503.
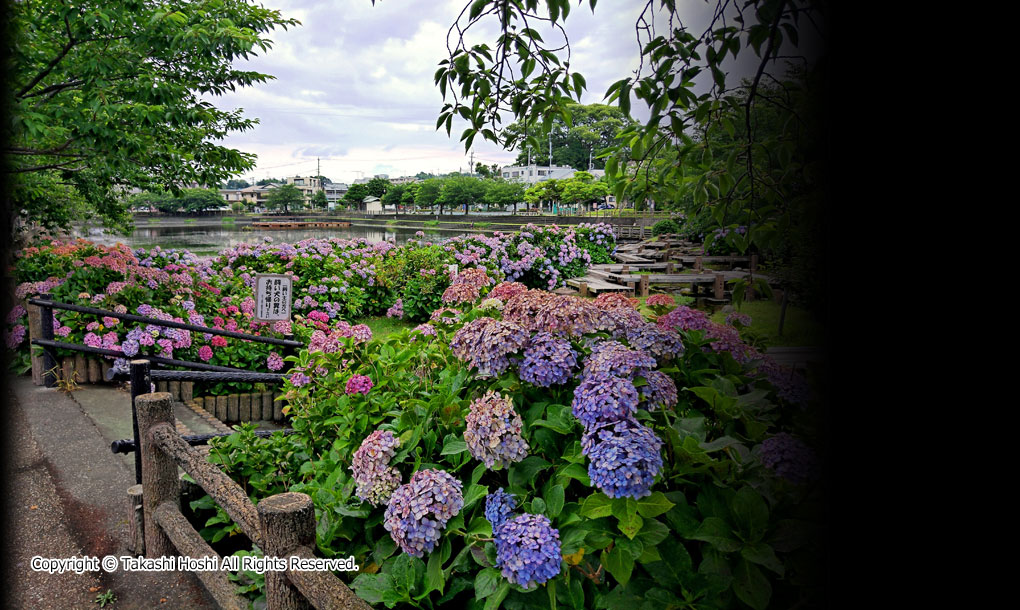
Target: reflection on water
x=211, y=239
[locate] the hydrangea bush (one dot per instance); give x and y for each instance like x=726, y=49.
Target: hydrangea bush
x=648, y=469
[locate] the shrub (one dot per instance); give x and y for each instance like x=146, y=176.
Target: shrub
x=665, y=227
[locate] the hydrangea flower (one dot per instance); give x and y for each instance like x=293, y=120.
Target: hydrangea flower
x=375, y=478
x=274, y=361
x=548, y=360
x=655, y=340
x=15, y=336
x=523, y=307
x=361, y=333
x=474, y=277
x=604, y=398
x=528, y=550
x=205, y=352
x=425, y=329
x=738, y=319
x=298, y=379
x=358, y=384
x=660, y=390
x=487, y=344
x=566, y=314
x=491, y=304
x=499, y=505
x=625, y=458
x=460, y=293
x=507, y=290
x=617, y=321
x=789, y=458
x=493, y=433
x=660, y=300
x=419, y=510
x=684, y=318
x=614, y=358
x=613, y=300
x=397, y=311
x=445, y=315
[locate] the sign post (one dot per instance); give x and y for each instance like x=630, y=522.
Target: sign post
x=274, y=294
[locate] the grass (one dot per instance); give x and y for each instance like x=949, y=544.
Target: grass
x=800, y=328
x=482, y=225
x=228, y=220
x=431, y=223
x=189, y=220
x=382, y=326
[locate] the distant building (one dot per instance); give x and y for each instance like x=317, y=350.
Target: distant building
x=335, y=192
x=371, y=204
x=404, y=180
x=532, y=174
x=367, y=180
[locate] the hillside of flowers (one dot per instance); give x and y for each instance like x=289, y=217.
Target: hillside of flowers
x=336, y=282
x=522, y=449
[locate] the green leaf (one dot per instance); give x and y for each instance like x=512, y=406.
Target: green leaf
x=618, y=563
x=654, y=505
x=750, y=512
x=474, y=493
x=716, y=532
x=554, y=499
x=525, y=473
x=497, y=598
x=597, y=505
x=453, y=446
x=626, y=512
x=434, y=579
x=763, y=555
x=751, y=586
x=486, y=582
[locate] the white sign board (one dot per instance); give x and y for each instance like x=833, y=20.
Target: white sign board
x=273, y=296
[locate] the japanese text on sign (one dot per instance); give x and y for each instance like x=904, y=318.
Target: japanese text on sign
x=272, y=297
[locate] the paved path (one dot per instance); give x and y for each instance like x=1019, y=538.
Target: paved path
x=68, y=497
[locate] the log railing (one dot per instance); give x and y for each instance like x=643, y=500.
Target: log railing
x=283, y=525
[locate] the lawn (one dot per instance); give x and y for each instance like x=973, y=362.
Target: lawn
x=800, y=328
x=382, y=326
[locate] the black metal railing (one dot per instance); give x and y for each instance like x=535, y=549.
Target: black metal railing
x=140, y=373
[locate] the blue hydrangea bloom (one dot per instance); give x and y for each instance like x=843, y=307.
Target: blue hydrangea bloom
x=493, y=432
x=604, y=398
x=654, y=340
x=660, y=391
x=499, y=505
x=614, y=358
x=419, y=510
x=548, y=360
x=624, y=458
x=528, y=550
x=487, y=344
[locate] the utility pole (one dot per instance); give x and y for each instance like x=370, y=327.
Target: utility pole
x=550, y=150
x=471, y=167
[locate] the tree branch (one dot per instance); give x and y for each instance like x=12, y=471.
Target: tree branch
x=53, y=62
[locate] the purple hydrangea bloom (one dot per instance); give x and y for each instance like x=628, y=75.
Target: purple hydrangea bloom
x=499, y=505
x=426, y=329
x=789, y=458
x=419, y=510
x=361, y=333
x=624, y=458
x=604, y=398
x=274, y=361
x=298, y=379
x=655, y=340
x=528, y=550
x=460, y=293
x=735, y=318
x=376, y=480
x=614, y=358
x=15, y=336
x=397, y=311
x=548, y=360
x=487, y=344
x=617, y=321
x=358, y=384
x=130, y=347
x=565, y=314
x=660, y=391
x=684, y=318
x=93, y=340
x=493, y=433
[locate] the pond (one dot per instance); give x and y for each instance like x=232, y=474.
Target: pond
x=210, y=238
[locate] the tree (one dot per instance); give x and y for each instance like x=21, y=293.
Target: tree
x=583, y=189
x=410, y=194
x=199, y=200
x=105, y=96
x=428, y=194
x=319, y=200
x=502, y=194
x=236, y=184
x=394, y=196
x=695, y=82
x=377, y=187
x=592, y=130
x=355, y=195
x=268, y=181
x=461, y=191
x=285, y=197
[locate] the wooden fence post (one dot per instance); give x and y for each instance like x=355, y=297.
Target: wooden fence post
x=159, y=471
x=719, y=286
x=582, y=289
x=136, y=523
x=643, y=285
x=287, y=521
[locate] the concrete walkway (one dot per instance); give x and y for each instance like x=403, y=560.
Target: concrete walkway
x=67, y=497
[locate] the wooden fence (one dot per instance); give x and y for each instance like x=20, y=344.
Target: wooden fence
x=282, y=525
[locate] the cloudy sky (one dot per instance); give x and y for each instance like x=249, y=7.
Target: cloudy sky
x=354, y=85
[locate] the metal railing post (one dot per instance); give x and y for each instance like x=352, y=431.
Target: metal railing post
x=140, y=384
x=46, y=330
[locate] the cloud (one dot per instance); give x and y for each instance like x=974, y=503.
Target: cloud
x=354, y=85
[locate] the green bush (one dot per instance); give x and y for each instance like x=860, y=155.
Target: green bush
x=665, y=227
